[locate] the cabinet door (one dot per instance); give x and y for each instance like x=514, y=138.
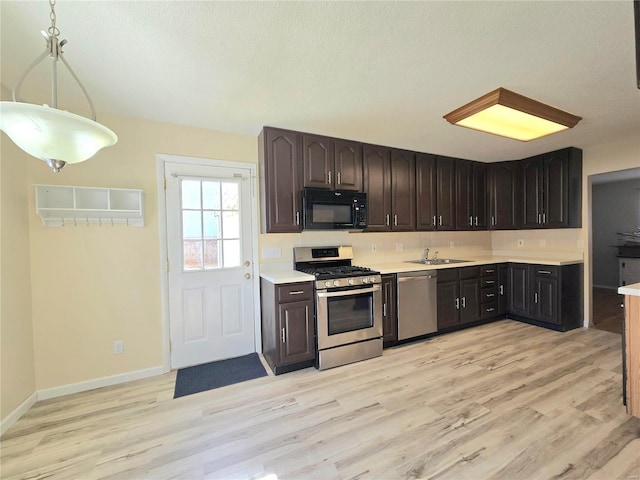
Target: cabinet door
x=556, y=189
x=545, y=300
x=532, y=192
x=348, y=165
x=503, y=195
x=446, y=195
x=479, y=196
x=389, y=319
x=469, y=300
x=317, y=160
x=464, y=195
x=519, y=289
x=503, y=289
x=426, y=190
x=282, y=181
x=377, y=186
x=295, y=328
x=448, y=304
x=403, y=190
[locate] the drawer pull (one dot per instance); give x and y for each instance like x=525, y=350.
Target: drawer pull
x=296, y=292
x=491, y=282
x=490, y=271
x=544, y=272
x=491, y=309
x=490, y=295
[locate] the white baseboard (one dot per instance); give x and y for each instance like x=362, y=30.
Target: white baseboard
x=99, y=382
x=13, y=417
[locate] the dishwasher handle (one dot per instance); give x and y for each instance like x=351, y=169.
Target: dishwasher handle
x=414, y=278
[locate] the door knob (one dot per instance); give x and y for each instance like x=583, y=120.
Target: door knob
x=247, y=263
x=247, y=276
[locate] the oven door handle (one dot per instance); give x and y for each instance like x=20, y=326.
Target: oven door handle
x=345, y=293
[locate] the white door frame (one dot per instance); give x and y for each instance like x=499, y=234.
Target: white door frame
x=161, y=159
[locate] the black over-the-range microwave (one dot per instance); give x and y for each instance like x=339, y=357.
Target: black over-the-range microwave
x=333, y=210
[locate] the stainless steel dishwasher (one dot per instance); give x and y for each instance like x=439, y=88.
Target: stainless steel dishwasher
x=417, y=304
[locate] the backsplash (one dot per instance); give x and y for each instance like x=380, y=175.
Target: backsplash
x=276, y=250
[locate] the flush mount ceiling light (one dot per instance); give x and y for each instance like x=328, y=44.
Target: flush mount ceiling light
x=55, y=136
x=512, y=115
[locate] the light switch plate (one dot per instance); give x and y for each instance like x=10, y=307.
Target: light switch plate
x=274, y=252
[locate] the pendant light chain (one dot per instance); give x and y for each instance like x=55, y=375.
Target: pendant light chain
x=53, y=30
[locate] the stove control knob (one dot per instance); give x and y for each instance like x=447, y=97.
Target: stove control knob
x=336, y=283
x=351, y=281
x=365, y=280
x=327, y=283
x=372, y=279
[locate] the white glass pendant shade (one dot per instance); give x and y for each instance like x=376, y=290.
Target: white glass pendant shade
x=51, y=134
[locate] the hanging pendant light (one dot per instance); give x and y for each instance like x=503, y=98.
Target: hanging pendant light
x=55, y=136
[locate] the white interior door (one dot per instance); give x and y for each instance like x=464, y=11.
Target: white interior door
x=209, y=244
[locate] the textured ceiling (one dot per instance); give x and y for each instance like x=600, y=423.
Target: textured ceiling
x=380, y=72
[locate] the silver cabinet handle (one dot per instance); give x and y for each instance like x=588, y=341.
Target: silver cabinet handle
x=493, y=220
x=457, y=304
x=464, y=302
x=440, y=220
x=415, y=279
x=535, y=297
x=395, y=220
x=490, y=282
x=544, y=218
x=338, y=178
x=387, y=219
x=347, y=293
x=384, y=309
x=434, y=221
x=329, y=178
x=284, y=338
x=539, y=218
x=297, y=218
x=490, y=271
x=501, y=290
x=544, y=272
x=491, y=295
x=490, y=309
x=296, y=292
x=476, y=221
x=471, y=221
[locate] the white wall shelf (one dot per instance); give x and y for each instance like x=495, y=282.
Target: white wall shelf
x=60, y=205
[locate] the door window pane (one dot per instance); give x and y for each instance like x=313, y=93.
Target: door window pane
x=210, y=213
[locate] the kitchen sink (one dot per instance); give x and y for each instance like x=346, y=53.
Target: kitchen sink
x=439, y=261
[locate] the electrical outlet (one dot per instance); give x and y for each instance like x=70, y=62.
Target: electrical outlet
x=451, y=244
x=399, y=246
x=520, y=242
x=374, y=248
x=118, y=347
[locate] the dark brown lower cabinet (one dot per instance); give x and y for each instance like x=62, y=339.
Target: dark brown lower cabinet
x=389, y=314
x=458, y=296
x=547, y=295
x=288, y=327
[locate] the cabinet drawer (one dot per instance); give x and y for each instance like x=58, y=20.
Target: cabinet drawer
x=294, y=292
x=545, y=271
x=488, y=270
x=489, y=309
x=489, y=282
x=489, y=295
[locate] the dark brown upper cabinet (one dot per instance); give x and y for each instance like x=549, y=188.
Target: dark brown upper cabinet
x=281, y=180
x=552, y=190
x=331, y=163
x=426, y=192
x=504, y=195
x=389, y=182
x=446, y=193
x=471, y=195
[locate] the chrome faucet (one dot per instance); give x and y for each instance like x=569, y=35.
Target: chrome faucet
x=435, y=255
x=425, y=254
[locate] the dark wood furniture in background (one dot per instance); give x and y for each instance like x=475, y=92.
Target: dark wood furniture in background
x=331, y=163
x=458, y=296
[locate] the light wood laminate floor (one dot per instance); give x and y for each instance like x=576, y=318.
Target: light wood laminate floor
x=500, y=401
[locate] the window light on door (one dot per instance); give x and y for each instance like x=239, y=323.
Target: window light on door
x=210, y=224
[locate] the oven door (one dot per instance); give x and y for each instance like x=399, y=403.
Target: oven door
x=348, y=315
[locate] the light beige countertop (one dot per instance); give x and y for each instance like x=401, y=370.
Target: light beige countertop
x=633, y=289
x=291, y=276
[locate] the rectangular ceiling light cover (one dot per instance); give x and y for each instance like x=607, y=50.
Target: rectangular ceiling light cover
x=509, y=114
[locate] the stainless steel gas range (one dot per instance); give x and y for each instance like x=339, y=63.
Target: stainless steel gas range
x=348, y=305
